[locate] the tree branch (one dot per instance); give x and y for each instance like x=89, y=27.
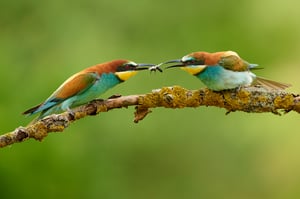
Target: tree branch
x=251, y=100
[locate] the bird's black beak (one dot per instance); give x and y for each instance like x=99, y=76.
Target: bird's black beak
x=143, y=66
x=151, y=67
x=177, y=62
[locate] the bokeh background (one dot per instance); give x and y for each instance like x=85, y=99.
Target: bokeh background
x=182, y=153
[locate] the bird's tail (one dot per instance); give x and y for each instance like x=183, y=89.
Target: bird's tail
x=32, y=110
x=270, y=84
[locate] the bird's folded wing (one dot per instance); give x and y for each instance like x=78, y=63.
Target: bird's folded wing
x=75, y=84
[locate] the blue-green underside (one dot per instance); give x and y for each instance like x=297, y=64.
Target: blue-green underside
x=100, y=86
x=217, y=78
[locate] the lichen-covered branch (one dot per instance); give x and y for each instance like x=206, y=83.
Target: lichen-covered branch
x=251, y=100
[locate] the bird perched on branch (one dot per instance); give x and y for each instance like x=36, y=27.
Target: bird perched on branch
x=87, y=85
x=223, y=70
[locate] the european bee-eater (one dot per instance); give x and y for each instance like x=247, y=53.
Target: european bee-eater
x=223, y=70
x=87, y=85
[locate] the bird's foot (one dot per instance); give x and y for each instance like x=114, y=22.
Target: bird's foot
x=239, y=88
x=71, y=113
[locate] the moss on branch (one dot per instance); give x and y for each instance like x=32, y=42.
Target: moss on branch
x=250, y=99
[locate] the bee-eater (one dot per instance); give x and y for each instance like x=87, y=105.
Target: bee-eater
x=223, y=70
x=87, y=85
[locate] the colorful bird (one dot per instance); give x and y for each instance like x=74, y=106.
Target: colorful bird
x=87, y=85
x=223, y=70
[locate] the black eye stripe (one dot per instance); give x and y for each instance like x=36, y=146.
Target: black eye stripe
x=194, y=62
x=126, y=67
x=130, y=66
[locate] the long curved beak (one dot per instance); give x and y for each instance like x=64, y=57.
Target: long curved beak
x=254, y=66
x=178, y=61
x=143, y=66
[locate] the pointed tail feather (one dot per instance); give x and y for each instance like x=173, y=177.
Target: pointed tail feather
x=31, y=110
x=270, y=84
x=34, y=110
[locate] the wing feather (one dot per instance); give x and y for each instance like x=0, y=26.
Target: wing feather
x=76, y=84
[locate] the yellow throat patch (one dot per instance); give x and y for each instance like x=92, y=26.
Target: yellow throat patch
x=124, y=75
x=193, y=70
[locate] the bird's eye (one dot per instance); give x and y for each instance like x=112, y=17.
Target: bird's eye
x=127, y=66
x=188, y=60
x=130, y=66
x=192, y=61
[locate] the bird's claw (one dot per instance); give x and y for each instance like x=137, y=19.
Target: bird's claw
x=71, y=113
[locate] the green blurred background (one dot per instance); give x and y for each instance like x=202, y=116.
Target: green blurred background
x=183, y=153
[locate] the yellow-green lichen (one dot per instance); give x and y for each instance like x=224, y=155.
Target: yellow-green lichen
x=284, y=102
x=38, y=131
x=148, y=100
x=193, y=98
x=80, y=114
x=102, y=108
x=6, y=139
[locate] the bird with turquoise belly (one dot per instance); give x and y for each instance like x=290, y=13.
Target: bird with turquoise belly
x=87, y=85
x=223, y=70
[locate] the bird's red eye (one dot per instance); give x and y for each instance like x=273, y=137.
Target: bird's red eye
x=194, y=62
x=129, y=66
x=126, y=67
x=189, y=62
